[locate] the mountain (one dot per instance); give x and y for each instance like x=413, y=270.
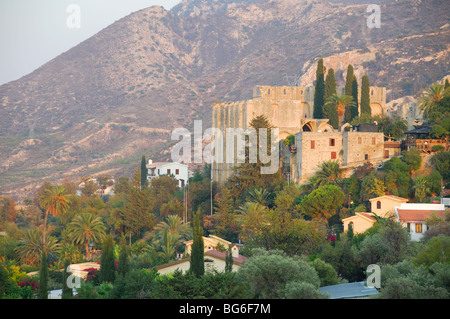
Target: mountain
x=102, y=104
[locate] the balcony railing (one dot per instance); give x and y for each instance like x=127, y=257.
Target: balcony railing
x=426, y=144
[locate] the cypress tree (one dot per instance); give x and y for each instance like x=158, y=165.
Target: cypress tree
x=197, y=262
x=330, y=84
x=143, y=172
x=349, y=80
x=43, y=277
x=319, y=93
x=124, y=261
x=330, y=113
x=354, y=107
x=67, y=292
x=107, y=262
x=365, y=96
x=229, y=261
x=350, y=233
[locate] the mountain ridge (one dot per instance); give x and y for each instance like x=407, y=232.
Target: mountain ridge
x=117, y=95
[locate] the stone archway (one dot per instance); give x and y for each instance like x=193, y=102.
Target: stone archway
x=283, y=135
x=376, y=109
x=307, y=127
x=345, y=126
x=325, y=127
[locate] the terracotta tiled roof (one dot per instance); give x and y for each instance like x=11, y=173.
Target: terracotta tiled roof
x=172, y=263
x=414, y=215
x=215, y=253
x=363, y=215
x=401, y=199
x=367, y=215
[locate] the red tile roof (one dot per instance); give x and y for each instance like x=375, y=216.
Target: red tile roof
x=370, y=216
x=414, y=215
x=215, y=253
x=363, y=215
x=400, y=199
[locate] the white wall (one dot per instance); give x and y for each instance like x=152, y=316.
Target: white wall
x=183, y=173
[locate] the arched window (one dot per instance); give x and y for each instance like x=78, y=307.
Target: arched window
x=378, y=205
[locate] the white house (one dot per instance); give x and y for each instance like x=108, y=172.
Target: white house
x=214, y=259
x=179, y=171
x=384, y=205
x=102, y=190
x=413, y=216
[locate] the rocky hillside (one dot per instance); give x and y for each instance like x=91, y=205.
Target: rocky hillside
x=101, y=105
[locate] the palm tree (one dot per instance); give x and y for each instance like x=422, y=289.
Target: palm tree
x=432, y=96
x=31, y=247
x=55, y=201
x=169, y=245
x=421, y=189
x=173, y=225
x=85, y=229
x=253, y=218
x=260, y=196
x=329, y=172
x=338, y=102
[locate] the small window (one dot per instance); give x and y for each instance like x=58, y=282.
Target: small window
x=332, y=142
x=158, y=171
x=408, y=227
x=359, y=140
x=168, y=171
x=284, y=91
x=333, y=155
x=268, y=91
x=378, y=205
x=177, y=171
x=418, y=228
x=313, y=145
x=366, y=156
x=374, y=140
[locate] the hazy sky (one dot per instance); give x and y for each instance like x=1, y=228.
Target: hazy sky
x=32, y=32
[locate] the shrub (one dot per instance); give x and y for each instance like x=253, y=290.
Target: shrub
x=327, y=274
x=437, y=148
x=268, y=272
x=302, y=290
